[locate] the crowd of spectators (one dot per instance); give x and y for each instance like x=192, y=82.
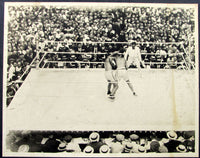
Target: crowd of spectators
x=101, y=142
x=172, y=57
x=33, y=29
x=32, y=25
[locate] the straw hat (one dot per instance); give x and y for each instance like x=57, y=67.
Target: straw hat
x=94, y=137
x=104, y=149
x=181, y=148
x=172, y=135
x=23, y=148
x=88, y=149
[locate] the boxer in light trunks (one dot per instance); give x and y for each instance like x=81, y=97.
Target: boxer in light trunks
x=110, y=74
x=122, y=70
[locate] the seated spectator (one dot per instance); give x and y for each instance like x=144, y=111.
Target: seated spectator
x=104, y=149
x=128, y=147
x=154, y=146
x=18, y=70
x=11, y=90
x=116, y=145
x=88, y=150
x=163, y=149
x=73, y=144
x=23, y=148
x=11, y=141
x=35, y=143
x=51, y=145
x=11, y=71
x=173, y=142
x=95, y=142
x=181, y=148
x=134, y=137
x=62, y=147
x=172, y=62
x=141, y=149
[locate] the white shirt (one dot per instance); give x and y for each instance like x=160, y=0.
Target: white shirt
x=116, y=147
x=133, y=53
x=11, y=72
x=74, y=144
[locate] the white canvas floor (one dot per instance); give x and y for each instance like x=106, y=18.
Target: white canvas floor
x=76, y=100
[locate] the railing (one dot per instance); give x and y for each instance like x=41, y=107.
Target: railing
x=90, y=42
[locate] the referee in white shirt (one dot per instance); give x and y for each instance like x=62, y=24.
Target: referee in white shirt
x=133, y=56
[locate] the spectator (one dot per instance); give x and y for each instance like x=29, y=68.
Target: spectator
x=95, y=142
x=88, y=149
x=23, y=148
x=116, y=145
x=51, y=145
x=104, y=149
x=128, y=147
x=11, y=71
x=73, y=144
x=29, y=141
x=141, y=149
x=173, y=142
x=35, y=143
x=181, y=148
x=154, y=146
x=163, y=149
x=62, y=147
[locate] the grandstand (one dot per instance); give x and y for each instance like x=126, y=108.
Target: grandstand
x=55, y=68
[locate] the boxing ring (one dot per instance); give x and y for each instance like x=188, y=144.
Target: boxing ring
x=76, y=100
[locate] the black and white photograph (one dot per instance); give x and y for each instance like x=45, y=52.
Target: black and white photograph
x=100, y=79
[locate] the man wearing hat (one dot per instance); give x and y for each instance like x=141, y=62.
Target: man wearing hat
x=128, y=147
x=95, y=143
x=134, y=137
x=181, y=148
x=173, y=142
x=104, y=149
x=62, y=147
x=88, y=150
x=139, y=149
x=23, y=148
